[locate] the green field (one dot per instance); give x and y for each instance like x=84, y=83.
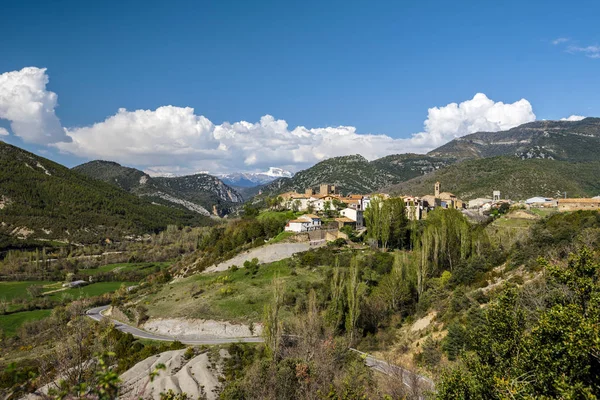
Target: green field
x=286, y=215
x=124, y=267
x=13, y=290
x=10, y=323
x=543, y=212
x=234, y=296
x=95, y=289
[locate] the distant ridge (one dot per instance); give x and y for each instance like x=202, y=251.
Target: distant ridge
x=200, y=193
x=40, y=199
x=515, y=179
x=248, y=179
x=355, y=174
x=557, y=140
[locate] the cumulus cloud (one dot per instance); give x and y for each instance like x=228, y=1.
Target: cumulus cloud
x=25, y=102
x=175, y=140
x=573, y=118
x=3, y=132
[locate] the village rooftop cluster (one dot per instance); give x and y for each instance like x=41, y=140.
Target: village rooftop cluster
x=326, y=200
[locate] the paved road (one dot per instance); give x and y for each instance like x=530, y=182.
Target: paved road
x=96, y=314
x=410, y=379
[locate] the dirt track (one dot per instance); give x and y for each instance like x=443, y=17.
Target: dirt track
x=265, y=254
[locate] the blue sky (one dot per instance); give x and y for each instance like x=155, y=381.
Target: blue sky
x=375, y=66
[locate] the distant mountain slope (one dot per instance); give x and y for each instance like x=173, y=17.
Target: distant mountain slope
x=42, y=199
x=247, y=179
x=201, y=193
x=559, y=140
x=354, y=174
x=515, y=178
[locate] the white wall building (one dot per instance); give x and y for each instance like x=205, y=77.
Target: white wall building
x=537, y=200
x=479, y=202
x=354, y=215
x=304, y=223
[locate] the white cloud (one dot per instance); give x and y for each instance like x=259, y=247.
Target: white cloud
x=29, y=107
x=588, y=51
x=3, y=132
x=573, y=118
x=559, y=41
x=174, y=140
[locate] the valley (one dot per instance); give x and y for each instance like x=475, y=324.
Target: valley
x=392, y=302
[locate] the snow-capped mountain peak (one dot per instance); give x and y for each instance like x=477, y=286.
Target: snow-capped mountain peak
x=278, y=173
x=251, y=179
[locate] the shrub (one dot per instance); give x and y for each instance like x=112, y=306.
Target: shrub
x=189, y=353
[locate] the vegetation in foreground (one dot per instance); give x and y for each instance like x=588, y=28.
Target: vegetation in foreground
x=484, y=313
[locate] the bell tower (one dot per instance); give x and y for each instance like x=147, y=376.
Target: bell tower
x=437, y=189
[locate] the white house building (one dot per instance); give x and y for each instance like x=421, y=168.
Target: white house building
x=304, y=223
x=479, y=202
x=540, y=202
x=354, y=215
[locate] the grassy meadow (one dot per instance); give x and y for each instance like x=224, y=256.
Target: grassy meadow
x=238, y=296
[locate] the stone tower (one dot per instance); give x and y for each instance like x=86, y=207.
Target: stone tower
x=437, y=190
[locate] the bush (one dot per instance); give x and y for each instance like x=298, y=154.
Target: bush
x=189, y=353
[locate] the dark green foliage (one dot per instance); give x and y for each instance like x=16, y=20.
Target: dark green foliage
x=201, y=189
x=430, y=354
x=556, y=358
x=40, y=194
x=557, y=233
x=515, y=178
x=250, y=211
x=455, y=341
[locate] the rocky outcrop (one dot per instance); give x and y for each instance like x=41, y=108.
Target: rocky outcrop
x=196, y=377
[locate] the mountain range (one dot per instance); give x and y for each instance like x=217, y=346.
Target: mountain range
x=571, y=148
x=556, y=140
x=43, y=200
x=249, y=179
x=355, y=174
x=201, y=193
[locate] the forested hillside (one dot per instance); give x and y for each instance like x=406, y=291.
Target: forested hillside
x=558, y=140
x=355, y=174
x=42, y=199
x=515, y=178
x=200, y=193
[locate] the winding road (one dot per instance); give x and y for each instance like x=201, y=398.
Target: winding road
x=96, y=314
x=410, y=379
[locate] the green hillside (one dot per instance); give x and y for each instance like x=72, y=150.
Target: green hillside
x=558, y=140
x=515, y=178
x=201, y=193
x=355, y=174
x=40, y=199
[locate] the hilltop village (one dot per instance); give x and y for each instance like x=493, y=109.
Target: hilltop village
x=326, y=203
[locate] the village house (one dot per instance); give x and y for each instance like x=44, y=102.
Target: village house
x=304, y=223
x=355, y=215
x=345, y=221
x=478, y=202
x=414, y=208
x=352, y=202
x=578, y=204
x=541, y=202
